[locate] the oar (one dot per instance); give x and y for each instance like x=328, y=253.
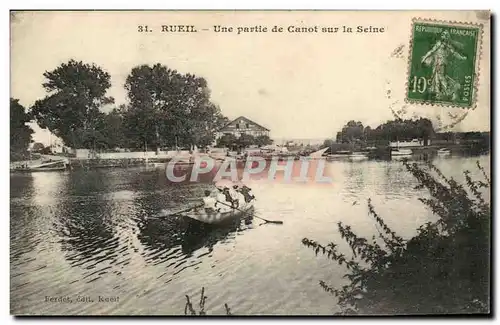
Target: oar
x=253, y=215
x=179, y=212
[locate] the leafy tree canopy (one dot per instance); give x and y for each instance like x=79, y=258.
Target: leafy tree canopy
x=168, y=108
x=393, y=130
x=75, y=93
x=20, y=133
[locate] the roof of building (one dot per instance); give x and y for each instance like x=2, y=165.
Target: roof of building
x=247, y=120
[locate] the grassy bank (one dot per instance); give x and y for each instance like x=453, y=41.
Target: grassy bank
x=114, y=163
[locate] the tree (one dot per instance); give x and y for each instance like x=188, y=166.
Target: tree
x=113, y=128
x=37, y=147
x=393, y=130
x=338, y=138
x=351, y=132
x=245, y=140
x=328, y=143
x=425, y=129
x=400, y=130
x=169, y=108
x=95, y=137
x=20, y=133
x=76, y=92
x=227, y=141
x=263, y=140
x=367, y=133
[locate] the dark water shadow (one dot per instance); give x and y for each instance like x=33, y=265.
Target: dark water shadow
x=198, y=235
x=87, y=236
x=85, y=225
x=178, y=237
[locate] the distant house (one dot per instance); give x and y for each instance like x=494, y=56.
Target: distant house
x=57, y=146
x=243, y=125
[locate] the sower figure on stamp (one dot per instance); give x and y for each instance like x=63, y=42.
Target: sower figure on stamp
x=442, y=84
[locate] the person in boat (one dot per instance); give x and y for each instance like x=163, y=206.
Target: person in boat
x=209, y=202
x=227, y=195
x=237, y=195
x=230, y=196
x=246, y=192
x=221, y=196
x=235, y=202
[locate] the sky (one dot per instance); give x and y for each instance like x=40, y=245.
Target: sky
x=298, y=85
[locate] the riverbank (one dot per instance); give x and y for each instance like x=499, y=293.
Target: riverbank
x=384, y=152
x=123, y=161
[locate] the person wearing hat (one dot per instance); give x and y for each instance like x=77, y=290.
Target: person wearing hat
x=209, y=202
x=245, y=191
x=233, y=193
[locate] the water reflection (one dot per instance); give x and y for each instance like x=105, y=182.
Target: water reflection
x=198, y=235
x=34, y=199
x=354, y=177
x=85, y=227
x=86, y=235
x=97, y=231
x=23, y=220
x=167, y=238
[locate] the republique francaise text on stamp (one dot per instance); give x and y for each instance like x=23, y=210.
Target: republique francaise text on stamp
x=443, y=63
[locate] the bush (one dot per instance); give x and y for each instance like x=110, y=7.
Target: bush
x=443, y=269
x=189, y=310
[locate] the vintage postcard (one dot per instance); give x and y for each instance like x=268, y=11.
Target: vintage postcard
x=250, y=163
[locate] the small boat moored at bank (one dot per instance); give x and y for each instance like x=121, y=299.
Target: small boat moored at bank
x=401, y=152
x=444, y=152
x=357, y=156
x=58, y=165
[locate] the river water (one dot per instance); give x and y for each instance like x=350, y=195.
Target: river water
x=95, y=234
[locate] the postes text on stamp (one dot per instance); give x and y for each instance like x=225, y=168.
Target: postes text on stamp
x=443, y=63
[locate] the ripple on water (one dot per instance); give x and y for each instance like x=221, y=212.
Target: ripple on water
x=93, y=233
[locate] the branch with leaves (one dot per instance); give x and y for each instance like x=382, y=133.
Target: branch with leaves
x=190, y=311
x=443, y=269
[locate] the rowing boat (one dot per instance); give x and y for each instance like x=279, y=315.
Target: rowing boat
x=401, y=152
x=222, y=214
x=57, y=165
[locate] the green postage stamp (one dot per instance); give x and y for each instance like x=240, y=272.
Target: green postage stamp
x=443, y=63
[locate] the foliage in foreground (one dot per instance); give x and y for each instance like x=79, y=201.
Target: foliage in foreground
x=443, y=269
x=190, y=311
